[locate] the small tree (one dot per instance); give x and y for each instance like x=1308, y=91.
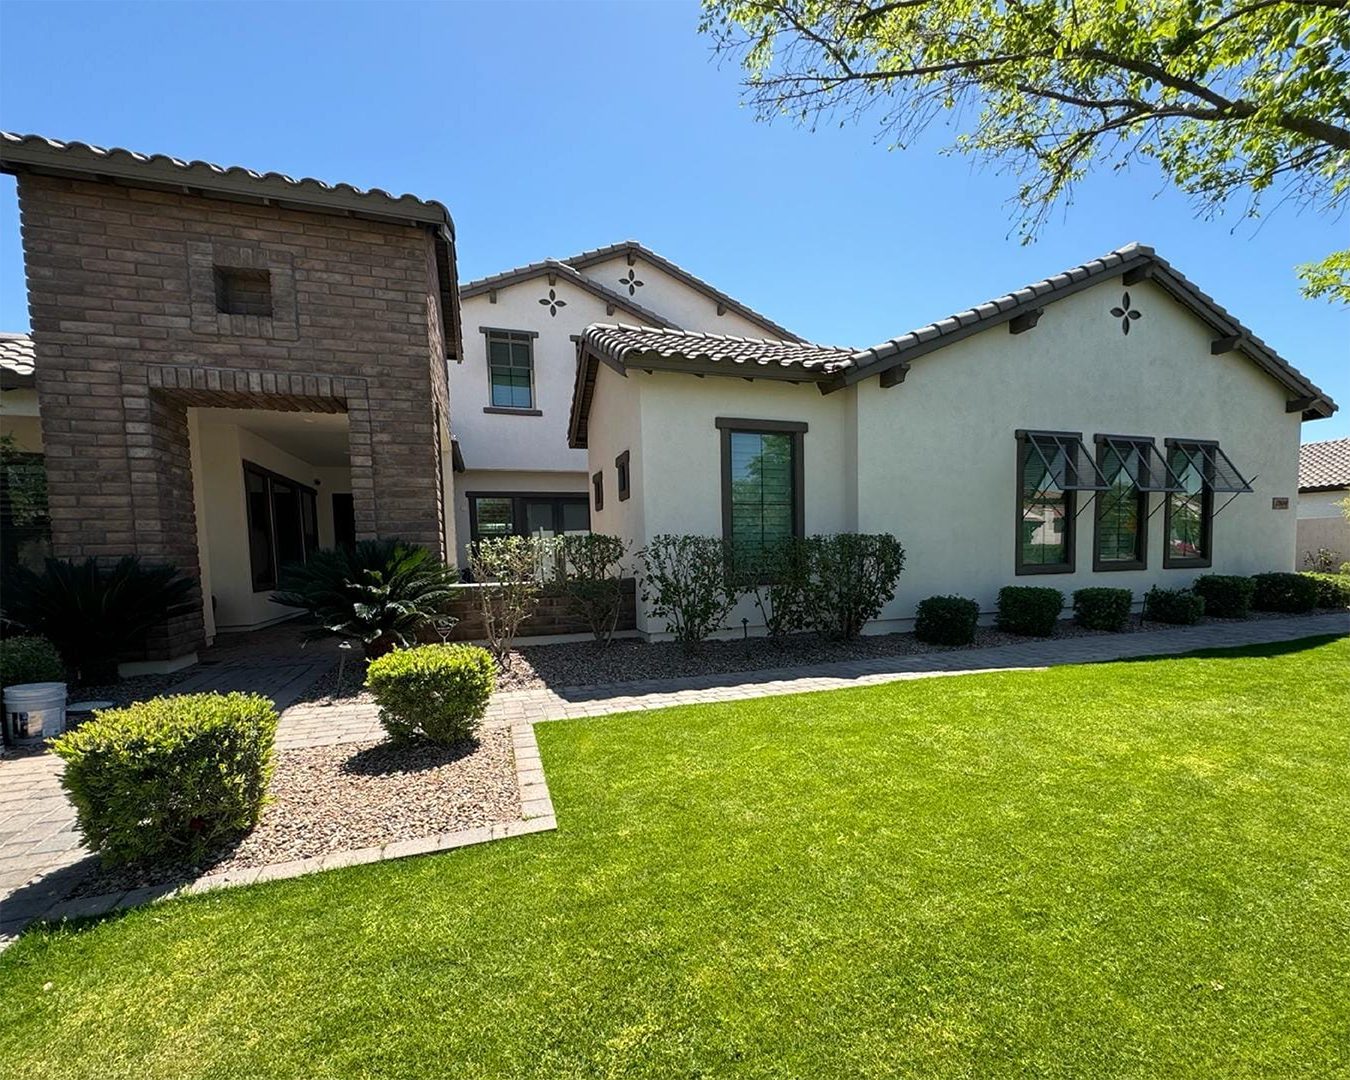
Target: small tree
x=685, y=580
x=777, y=577
x=590, y=566
x=506, y=569
x=853, y=575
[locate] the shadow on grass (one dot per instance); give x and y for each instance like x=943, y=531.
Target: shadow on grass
x=1239, y=652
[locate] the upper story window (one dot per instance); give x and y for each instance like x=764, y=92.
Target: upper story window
x=762, y=481
x=1052, y=467
x=510, y=369
x=243, y=291
x=1120, y=541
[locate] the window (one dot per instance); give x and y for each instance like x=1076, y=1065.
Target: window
x=1121, y=538
x=283, y=523
x=621, y=475
x=1189, y=516
x=527, y=515
x=1052, y=467
x=762, y=483
x=241, y=291
x=510, y=369
x=598, y=490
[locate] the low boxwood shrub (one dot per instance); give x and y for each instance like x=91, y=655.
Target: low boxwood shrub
x=1227, y=596
x=437, y=691
x=1029, y=609
x=28, y=659
x=1179, y=606
x=946, y=620
x=1333, y=590
x=170, y=776
x=1284, y=592
x=1102, y=608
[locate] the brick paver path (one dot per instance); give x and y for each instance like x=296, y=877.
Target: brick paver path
x=37, y=837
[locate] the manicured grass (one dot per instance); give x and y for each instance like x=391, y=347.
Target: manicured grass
x=1123, y=870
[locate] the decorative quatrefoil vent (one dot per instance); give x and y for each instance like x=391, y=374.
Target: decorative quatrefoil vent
x=1126, y=313
x=552, y=302
x=631, y=280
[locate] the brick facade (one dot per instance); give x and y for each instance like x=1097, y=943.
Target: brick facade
x=128, y=337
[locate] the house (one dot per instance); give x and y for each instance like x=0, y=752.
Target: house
x=233, y=369
x=511, y=390
x=1111, y=425
x=1323, y=484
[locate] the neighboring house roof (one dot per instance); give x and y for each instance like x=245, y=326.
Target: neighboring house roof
x=651, y=348
x=891, y=359
x=558, y=269
x=633, y=250
x=1324, y=466
x=16, y=361
x=1134, y=262
x=37, y=154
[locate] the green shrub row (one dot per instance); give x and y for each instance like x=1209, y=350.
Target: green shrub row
x=1333, y=590
x=29, y=659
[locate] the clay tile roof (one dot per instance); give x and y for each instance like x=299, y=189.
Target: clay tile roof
x=638, y=344
x=1324, y=465
x=16, y=360
x=52, y=155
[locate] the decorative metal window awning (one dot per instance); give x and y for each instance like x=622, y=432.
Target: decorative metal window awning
x=1156, y=476
x=1214, y=466
x=1069, y=466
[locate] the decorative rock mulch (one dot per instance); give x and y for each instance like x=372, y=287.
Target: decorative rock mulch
x=354, y=795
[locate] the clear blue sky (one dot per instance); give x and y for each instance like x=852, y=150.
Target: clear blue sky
x=551, y=128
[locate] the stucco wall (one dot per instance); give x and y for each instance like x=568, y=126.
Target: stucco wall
x=1322, y=524
x=937, y=454
x=619, y=400
x=19, y=419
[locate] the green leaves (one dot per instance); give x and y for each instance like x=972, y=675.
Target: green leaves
x=1233, y=99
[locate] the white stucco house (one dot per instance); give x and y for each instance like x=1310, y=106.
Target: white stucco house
x=1111, y=425
x=1323, y=485
x=511, y=391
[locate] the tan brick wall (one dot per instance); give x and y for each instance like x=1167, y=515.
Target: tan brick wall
x=118, y=285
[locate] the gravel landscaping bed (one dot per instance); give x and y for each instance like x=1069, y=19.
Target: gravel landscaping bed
x=354, y=795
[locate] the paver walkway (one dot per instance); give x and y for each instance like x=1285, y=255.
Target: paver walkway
x=37, y=826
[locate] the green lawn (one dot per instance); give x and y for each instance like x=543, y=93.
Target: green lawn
x=1126, y=870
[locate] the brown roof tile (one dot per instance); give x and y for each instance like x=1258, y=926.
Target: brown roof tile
x=1324, y=466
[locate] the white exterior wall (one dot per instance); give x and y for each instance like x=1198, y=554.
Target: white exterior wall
x=619, y=401
x=1322, y=524
x=19, y=419
x=934, y=460
x=937, y=454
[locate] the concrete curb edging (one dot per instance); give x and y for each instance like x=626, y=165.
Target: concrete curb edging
x=537, y=816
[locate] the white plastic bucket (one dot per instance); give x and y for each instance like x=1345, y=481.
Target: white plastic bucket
x=34, y=710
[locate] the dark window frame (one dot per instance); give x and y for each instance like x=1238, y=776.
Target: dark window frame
x=1020, y=567
x=518, y=500
x=302, y=490
x=1173, y=562
x=732, y=425
x=623, y=475
x=510, y=337
x=598, y=490
x=1140, y=561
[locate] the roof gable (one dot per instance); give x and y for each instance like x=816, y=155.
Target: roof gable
x=557, y=270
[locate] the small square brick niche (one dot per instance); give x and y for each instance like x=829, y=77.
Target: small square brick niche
x=242, y=290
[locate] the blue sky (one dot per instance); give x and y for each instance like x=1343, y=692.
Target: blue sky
x=551, y=128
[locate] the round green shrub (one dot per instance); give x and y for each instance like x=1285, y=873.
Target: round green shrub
x=438, y=691
x=946, y=620
x=1227, y=596
x=1102, y=608
x=29, y=659
x=170, y=776
x=1284, y=592
x=1333, y=590
x=1029, y=609
x=1178, y=606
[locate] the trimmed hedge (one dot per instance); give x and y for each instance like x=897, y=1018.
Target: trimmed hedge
x=1333, y=590
x=1029, y=609
x=1179, y=606
x=1284, y=592
x=1227, y=596
x=1102, y=608
x=29, y=659
x=169, y=776
x=437, y=691
x=946, y=620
